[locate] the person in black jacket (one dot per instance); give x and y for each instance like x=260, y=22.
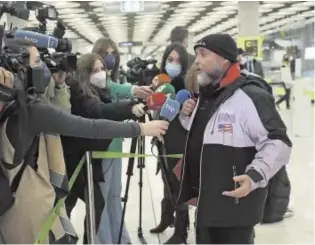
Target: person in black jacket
x=90, y=99
x=174, y=64
x=236, y=143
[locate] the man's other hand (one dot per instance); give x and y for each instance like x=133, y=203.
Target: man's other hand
x=245, y=187
x=188, y=107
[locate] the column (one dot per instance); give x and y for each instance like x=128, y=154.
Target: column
x=248, y=18
x=191, y=43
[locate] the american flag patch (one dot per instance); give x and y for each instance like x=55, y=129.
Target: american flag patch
x=225, y=128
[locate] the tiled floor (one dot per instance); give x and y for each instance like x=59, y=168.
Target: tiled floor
x=298, y=229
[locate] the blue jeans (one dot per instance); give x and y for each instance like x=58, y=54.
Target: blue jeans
x=108, y=231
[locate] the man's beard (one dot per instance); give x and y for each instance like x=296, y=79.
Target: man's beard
x=213, y=78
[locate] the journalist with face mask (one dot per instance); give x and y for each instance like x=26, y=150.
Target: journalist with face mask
x=112, y=168
x=236, y=143
x=174, y=64
x=108, y=50
x=41, y=170
x=94, y=101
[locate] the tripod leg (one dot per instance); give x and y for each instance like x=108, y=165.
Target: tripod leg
x=141, y=165
x=90, y=204
x=129, y=174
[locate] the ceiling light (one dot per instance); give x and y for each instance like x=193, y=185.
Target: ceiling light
x=70, y=16
x=76, y=19
x=307, y=3
x=195, y=3
x=298, y=7
x=65, y=4
x=71, y=11
x=96, y=3
x=271, y=5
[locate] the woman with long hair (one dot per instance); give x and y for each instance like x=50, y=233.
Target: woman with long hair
x=174, y=64
x=112, y=168
x=90, y=98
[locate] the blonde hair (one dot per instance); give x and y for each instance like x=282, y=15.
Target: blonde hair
x=191, y=79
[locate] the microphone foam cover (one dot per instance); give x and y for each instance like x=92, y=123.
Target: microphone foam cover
x=156, y=101
x=170, y=109
x=182, y=96
x=159, y=80
x=166, y=89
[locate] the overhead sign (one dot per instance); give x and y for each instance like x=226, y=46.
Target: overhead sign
x=130, y=44
x=132, y=6
x=251, y=45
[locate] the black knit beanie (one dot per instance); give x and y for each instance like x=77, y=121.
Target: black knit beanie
x=221, y=44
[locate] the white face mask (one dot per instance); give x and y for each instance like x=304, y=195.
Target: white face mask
x=98, y=79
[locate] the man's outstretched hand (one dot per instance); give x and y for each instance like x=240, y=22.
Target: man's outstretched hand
x=245, y=187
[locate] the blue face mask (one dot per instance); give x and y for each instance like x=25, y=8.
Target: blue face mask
x=110, y=61
x=173, y=70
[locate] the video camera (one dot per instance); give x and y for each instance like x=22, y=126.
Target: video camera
x=16, y=59
x=63, y=59
x=139, y=72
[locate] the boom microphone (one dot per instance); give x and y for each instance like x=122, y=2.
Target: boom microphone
x=40, y=40
x=182, y=96
x=155, y=102
x=167, y=89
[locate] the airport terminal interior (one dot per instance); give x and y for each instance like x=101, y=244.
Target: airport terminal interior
x=268, y=30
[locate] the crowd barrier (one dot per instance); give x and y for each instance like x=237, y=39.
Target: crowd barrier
x=91, y=232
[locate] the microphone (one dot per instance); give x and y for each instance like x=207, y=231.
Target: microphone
x=40, y=40
x=182, y=96
x=167, y=89
x=155, y=102
x=169, y=110
x=159, y=80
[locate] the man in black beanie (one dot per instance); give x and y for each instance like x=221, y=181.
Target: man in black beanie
x=236, y=143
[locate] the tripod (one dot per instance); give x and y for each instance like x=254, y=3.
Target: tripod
x=141, y=165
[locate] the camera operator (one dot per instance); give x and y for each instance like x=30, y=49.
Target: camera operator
x=21, y=222
x=174, y=64
x=112, y=168
x=94, y=101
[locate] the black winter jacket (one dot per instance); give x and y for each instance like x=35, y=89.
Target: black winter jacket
x=244, y=133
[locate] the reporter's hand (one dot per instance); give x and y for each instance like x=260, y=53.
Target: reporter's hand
x=59, y=77
x=142, y=92
x=188, y=107
x=6, y=78
x=155, y=128
x=137, y=110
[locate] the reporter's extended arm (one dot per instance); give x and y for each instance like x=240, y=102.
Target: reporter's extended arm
x=49, y=119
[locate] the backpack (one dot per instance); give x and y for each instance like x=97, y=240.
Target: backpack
x=7, y=191
x=253, y=77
